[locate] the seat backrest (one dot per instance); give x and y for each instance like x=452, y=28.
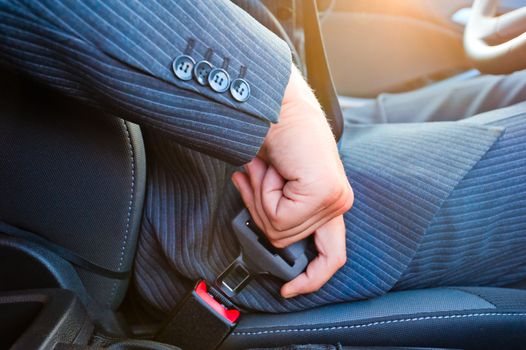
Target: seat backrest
x=75, y=178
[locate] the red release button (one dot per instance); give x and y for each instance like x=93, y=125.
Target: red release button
x=230, y=314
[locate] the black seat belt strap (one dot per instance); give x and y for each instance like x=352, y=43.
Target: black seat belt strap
x=64, y=253
x=318, y=72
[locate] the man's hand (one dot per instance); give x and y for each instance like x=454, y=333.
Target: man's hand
x=297, y=186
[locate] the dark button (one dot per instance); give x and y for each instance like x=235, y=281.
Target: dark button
x=183, y=67
x=201, y=71
x=219, y=80
x=240, y=90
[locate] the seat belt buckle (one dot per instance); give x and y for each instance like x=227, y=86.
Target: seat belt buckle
x=201, y=320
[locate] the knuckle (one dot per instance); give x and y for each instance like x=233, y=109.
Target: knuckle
x=272, y=235
x=346, y=201
x=279, y=243
x=340, y=260
x=315, y=287
x=272, y=215
x=332, y=193
x=349, y=199
x=278, y=224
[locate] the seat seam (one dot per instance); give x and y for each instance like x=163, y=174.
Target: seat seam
x=130, y=203
x=460, y=289
x=377, y=323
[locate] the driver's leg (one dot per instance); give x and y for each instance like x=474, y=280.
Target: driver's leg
x=436, y=204
x=478, y=235
x=443, y=102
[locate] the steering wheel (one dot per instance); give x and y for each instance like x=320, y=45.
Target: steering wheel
x=508, y=30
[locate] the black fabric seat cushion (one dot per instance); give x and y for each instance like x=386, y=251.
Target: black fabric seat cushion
x=464, y=318
x=73, y=176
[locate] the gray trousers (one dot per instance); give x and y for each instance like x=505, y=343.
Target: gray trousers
x=443, y=102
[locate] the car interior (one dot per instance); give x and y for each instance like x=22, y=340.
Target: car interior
x=72, y=185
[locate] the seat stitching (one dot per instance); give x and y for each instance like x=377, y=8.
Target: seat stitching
x=132, y=186
x=128, y=215
x=412, y=319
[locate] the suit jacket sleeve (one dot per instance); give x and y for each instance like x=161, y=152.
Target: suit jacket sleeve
x=119, y=55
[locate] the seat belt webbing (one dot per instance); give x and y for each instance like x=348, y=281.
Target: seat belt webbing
x=64, y=253
x=318, y=73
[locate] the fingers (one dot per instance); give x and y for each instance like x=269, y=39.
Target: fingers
x=292, y=206
x=298, y=207
x=330, y=242
x=242, y=183
x=263, y=191
x=272, y=191
x=244, y=187
x=308, y=226
x=256, y=172
x=260, y=174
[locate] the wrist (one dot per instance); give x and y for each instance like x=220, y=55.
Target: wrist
x=300, y=111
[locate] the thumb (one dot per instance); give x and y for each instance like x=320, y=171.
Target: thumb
x=242, y=184
x=330, y=242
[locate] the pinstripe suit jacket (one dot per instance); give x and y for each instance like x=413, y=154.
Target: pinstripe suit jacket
x=118, y=55
x=413, y=224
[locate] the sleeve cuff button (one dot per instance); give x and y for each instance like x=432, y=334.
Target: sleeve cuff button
x=219, y=80
x=240, y=90
x=183, y=67
x=201, y=72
